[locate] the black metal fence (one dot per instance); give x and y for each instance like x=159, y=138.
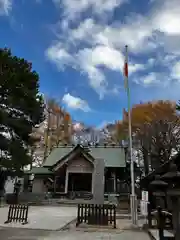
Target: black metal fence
x=94, y=214
x=18, y=213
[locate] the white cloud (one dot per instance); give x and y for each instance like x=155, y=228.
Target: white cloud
x=59, y=55
x=150, y=79
x=133, y=33
x=147, y=80
x=167, y=19
x=153, y=79
x=176, y=71
x=5, y=7
x=93, y=46
x=135, y=67
x=106, y=56
x=85, y=31
x=161, y=59
x=151, y=61
x=90, y=60
x=142, y=33
x=75, y=102
x=73, y=8
x=105, y=45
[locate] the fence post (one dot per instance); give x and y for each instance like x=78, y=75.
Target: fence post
x=78, y=215
x=25, y=218
x=110, y=212
x=114, y=215
x=96, y=214
x=85, y=213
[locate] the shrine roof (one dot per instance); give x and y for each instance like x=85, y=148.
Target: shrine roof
x=114, y=156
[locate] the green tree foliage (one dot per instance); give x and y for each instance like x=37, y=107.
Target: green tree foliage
x=21, y=108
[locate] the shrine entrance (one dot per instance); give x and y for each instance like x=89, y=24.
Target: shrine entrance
x=80, y=182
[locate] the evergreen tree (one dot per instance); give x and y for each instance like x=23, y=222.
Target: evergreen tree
x=21, y=108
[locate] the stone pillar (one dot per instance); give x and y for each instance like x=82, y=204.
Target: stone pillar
x=38, y=186
x=98, y=181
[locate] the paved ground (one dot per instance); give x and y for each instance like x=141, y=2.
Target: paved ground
x=124, y=235
x=44, y=219
x=22, y=234
x=47, y=218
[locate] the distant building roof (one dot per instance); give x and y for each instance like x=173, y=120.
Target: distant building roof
x=114, y=156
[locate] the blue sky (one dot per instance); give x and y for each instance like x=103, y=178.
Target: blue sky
x=77, y=47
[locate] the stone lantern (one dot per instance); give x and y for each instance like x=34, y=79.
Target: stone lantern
x=173, y=179
x=158, y=188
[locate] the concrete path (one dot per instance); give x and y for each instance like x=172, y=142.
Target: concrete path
x=47, y=218
x=22, y=234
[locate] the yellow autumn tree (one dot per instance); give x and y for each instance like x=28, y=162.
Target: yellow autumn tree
x=147, y=113
x=58, y=125
x=151, y=111
x=54, y=130
x=155, y=127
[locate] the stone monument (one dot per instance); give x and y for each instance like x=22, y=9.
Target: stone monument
x=98, y=181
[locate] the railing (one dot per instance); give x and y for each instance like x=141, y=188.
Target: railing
x=94, y=214
x=18, y=213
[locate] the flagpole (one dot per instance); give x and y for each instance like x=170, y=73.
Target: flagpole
x=133, y=198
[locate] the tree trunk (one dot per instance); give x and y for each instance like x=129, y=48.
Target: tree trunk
x=146, y=161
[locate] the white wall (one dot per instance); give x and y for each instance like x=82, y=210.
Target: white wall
x=9, y=184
